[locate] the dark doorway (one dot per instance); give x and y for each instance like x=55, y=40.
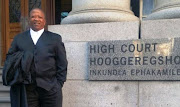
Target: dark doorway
x=62, y=8
x=135, y=7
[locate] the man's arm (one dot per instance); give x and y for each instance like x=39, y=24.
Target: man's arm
x=8, y=69
x=61, y=61
x=13, y=47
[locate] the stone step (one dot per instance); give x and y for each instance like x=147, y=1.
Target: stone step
x=0, y=78
x=1, y=70
x=5, y=105
x=4, y=100
x=0, y=74
x=4, y=94
x=4, y=88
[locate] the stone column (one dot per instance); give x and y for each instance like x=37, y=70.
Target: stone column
x=165, y=9
x=95, y=11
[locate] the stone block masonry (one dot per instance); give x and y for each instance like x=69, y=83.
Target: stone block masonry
x=78, y=91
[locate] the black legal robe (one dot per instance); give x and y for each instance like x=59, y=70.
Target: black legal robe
x=49, y=57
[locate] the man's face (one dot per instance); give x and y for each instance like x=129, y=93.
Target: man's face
x=37, y=20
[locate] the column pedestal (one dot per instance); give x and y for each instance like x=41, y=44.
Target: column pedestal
x=98, y=11
x=165, y=9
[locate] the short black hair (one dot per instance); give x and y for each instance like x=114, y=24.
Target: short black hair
x=39, y=10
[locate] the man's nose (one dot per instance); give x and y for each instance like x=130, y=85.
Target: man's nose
x=36, y=18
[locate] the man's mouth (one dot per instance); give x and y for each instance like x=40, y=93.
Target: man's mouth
x=36, y=24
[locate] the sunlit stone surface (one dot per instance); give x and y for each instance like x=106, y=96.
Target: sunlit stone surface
x=96, y=11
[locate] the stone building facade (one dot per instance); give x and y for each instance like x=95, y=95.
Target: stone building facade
x=105, y=20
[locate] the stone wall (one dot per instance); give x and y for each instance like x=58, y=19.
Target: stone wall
x=78, y=91
x=159, y=93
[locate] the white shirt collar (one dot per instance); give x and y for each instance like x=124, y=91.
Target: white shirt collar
x=39, y=32
x=35, y=35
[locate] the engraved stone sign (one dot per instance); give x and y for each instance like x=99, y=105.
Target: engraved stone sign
x=152, y=59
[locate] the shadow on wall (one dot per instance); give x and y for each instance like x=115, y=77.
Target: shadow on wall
x=135, y=7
